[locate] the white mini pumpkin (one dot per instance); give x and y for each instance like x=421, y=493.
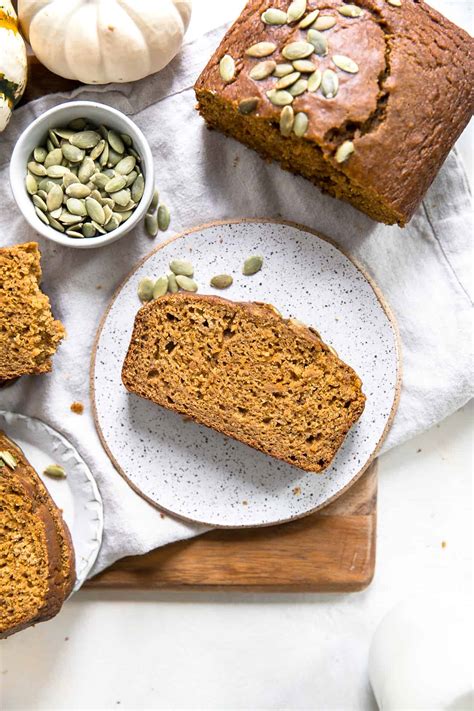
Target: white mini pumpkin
x=102, y=41
x=13, y=67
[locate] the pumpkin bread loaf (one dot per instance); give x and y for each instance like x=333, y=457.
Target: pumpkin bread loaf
x=29, y=334
x=365, y=99
x=243, y=370
x=37, y=569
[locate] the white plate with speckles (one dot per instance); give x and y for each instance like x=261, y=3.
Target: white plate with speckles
x=77, y=495
x=200, y=475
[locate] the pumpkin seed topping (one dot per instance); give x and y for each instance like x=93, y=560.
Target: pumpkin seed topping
x=246, y=106
x=296, y=10
x=221, y=281
x=227, y=68
x=261, y=49
x=288, y=80
x=344, y=151
x=262, y=70
x=160, y=287
x=329, y=84
x=395, y=3
x=252, y=265
x=309, y=19
x=280, y=98
x=282, y=70
x=314, y=81
x=350, y=11
x=297, y=50
x=319, y=42
x=324, y=22
x=298, y=87
x=173, y=287
x=272, y=16
x=304, y=66
x=301, y=124
x=345, y=63
x=287, y=117
x=8, y=459
x=145, y=289
x=186, y=283
x=181, y=266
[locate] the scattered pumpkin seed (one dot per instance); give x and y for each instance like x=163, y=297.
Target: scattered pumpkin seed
x=227, y=68
x=297, y=50
x=262, y=70
x=296, y=10
x=154, y=201
x=304, y=66
x=261, y=49
x=173, y=287
x=308, y=20
x=273, y=16
x=319, y=42
x=55, y=471
x=298, y=87
x=186, y=283
x=324, y=22
x=246, y=106
x=280, y=98
x=314, y=81
x=350, y=11
x=8, y=459
x=287, y=117
x=145, y=289
x=300, y=125
x=252, y=265
x=345, y=63
x=151, y=224
x=39, y=154
x=161, y=287
x=329, y=84
x=282, y=70
x=222, y=281
x=344, y=151
x=181, y=266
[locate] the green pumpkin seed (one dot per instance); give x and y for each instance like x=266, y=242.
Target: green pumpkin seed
x=37, y=169
x=154, y=201
x=246, y=106
x=130, y=178
x=42, y=194
x=287, y=117
x=78, y=190
x=55, y=198
x=345, y=63
x=272, y=16
x=104, y=156
x=55, y=214
x=50, y=145
x=99, y=228
x=126, y=165
x=324, y=22
x=319, y=42
x=121, y=197
x=304, y=66
x=395, y=3
x=308, y=20
x=344, y=151
x=314, y=81
x=54, y=157
x=262, y=70
x=96, y=195
x=299, y=87
x=64, y=133
x=116, y=142
x=41, y=216
x=222, y=281
x=76, y=207
x=279, y=98
x=145, y=289
x=261, y=49
x=296, y=10
x=125, y=208
x=55, y=471
x=74, y=233
x=173, y=287
x=186, y=283
x=95, y=210
x=39, y=202
x=329, y=84
x=96, y=152
x=115, y=184
x=164, y=218
x=85, y=139
x=151, y=224
x=288, y=80
x=227, y=68
x=8, y=459
x=70, y=179
x=108, y=214
x=297, y=50
x=138, y=189
x=88, y=230
x=86, y=170
x=31, y=184
x=282, y=70
x=123, y=216
x=77, y=124
x=301, y=124
x=68, y=219
x=72, y=153
x=53, y=138
x=39, y=154
x=106, y=202
x=126, y=139
x=112, y=224
x=161, y=287
x=181, y=266
x=252, y=265
x=55, y=224
x=114, y=158
x=350, y=10
x=100, y=180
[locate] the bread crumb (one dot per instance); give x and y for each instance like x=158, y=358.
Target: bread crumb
x=77, y=408
x=297, y=491
x=245, y=503
x=443, y=544
x=162, y=515
x=99, y=286
x=418, y=451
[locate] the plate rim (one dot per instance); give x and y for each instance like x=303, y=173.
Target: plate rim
x=79, y=582
x=380, y=298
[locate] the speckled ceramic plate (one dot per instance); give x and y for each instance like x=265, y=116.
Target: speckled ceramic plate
x=77, y=495
x=201, y=475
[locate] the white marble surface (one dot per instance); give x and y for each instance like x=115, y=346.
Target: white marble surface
x=197, y=651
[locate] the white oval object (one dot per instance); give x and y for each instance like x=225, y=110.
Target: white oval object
x=102, y=41
x=13, y=68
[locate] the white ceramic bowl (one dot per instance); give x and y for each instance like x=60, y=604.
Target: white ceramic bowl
x=35, y=134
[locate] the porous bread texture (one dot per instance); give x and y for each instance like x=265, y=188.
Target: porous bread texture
x=37, y=569
x=243, y=370
x=403, y=109
x=29, y=335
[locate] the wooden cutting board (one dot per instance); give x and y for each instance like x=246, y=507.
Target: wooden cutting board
x=330, y=551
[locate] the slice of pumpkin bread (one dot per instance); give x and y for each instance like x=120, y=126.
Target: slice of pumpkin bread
x=243, y=370
x=37, y=568
x=29, y=334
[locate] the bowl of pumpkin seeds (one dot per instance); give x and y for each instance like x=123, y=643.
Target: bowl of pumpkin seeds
x=82, y=174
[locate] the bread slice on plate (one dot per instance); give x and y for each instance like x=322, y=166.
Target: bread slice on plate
x=243, y=370
x=37, y=567
x=29, y=335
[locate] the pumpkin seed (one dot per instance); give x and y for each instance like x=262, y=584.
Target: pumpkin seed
x=287, y=117
x=121, y=197
x=95, y=210
x=108, y=214
x=282, y=70
x=55, y=198
x=55, y=471
x=261, y=49
x=246, y=106
x=37, y=169
x=138, y=189
x=181, y=266
x=85, y=139
x=54, y=157
x=252, y=265
x=319, y=42
x=130, y=178
x=77, y=124
x=164, y=218
x=53, y=138
x=98, y=227
x=134, y=153
x=104, y=156
x=72, y=153
x=78, y=190
x=55, y=214
x=70, y=179
x=115, y=142
x=308, y=20
x=304, y=66
x=227, y=68
x=161, y=287
x=88, y=230
x=86, y=170
x=126, y=165
x=50, y=145
x=262, y=70
x=186, y=283
x=272, y=16
x=145, y=289
x=173, y=287
x=55, y=224
x=344, y=151
x=100, y=180
x=126, y=139
x=299, y=87
x=106, y=201
x=39, y=202
x=314, y=81
x=31, y=184
x=125, y=208
x=8, y=459
x=288, y=80
x=296, y=10
x=301, y=124
x=324, y=22
x=41, y=216
x=68, y=219
x=114, y=158
x=280, y=98
x=154, y=201
x=115, y=184
x=395, y=3
x=123, y=216
x=64, y=133
x=222, y=281
x=329, y=84
x=350, y=10
x=39, y=154
x=297, y=50
x=74, y=233
x=96, y=195
x=345, y=63
x=42, y=194
x=151, y=224
x=96, y=152
x=112, y=224
x=76, y=207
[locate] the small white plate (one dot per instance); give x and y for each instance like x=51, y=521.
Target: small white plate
x=201, y=475
x=77, y=495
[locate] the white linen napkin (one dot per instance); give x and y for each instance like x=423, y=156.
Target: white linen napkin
x=204, y=176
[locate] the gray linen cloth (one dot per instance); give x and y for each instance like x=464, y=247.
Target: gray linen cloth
x=203, y=176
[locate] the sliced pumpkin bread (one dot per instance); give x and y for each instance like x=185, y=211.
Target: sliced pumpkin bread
x=29, y=334
x=37, y=569
x=243, y=370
